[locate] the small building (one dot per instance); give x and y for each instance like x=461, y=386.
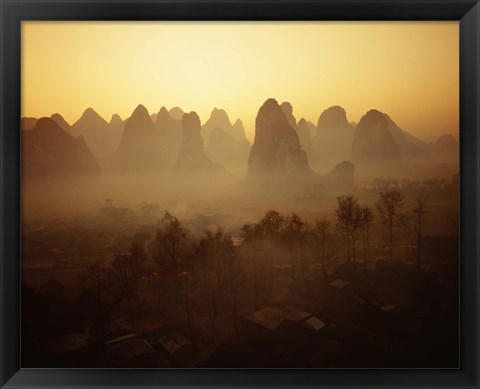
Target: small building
x=388, y=308
x=314, y=323
x=176, y=344
x=339, y=283
x=130, y=351
x=281, y=269
x=268, y=318
x=294, y=314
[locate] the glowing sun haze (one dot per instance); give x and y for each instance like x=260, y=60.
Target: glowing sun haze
x=409, y=70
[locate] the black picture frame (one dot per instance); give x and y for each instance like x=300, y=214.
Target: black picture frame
x=14, y=11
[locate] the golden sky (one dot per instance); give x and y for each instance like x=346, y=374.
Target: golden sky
x=409, y=70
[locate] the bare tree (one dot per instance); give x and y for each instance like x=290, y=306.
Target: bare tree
x=138, y=257
x=295, y=233
x=170, y=240
x=272, y=224
x=233, y=274
x=419, y=213
x=128, y=271
x=389, y=207
x=322, y=235
x=367, y=220
x=349, y=222
x=102, y=296
x=207, y=251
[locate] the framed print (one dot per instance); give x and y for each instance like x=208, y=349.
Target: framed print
x=240, y=193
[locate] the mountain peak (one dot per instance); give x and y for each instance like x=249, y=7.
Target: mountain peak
x=238, y=130
x=116, y=120
x=191, y=121
x=176, y=113
x=375, y=112
x=374, y=148
x=47, y=124
x=163, y=115
x=446, y=139
x=220, y=118
x=191, y=155
x=287, y=107
x=276, y=151
x=56, y=116
x=333, y=119
x=90, y=112
x=140, y=119
x=60, y=121
x=140, y=111
x=269, y=104
x=91, y=117
x=49, y=150
x=163, y=110
x=288, y=112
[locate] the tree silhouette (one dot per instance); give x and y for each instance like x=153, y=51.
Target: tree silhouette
x=102, y=296
x=233, y=275
x=349, y=222
x=170, y=240
x=419, y=213
x=295, y=233
x=322, y=235
x=388, y=208
x=128, y=271
x=209, y=252
x=272, y=224
x=367, y=220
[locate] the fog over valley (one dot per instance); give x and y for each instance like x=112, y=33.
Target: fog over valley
x=169, y=240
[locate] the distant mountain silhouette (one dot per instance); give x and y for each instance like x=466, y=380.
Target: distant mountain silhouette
x=96, y=132
x=304, y=131
x=139, y=144
x=301, y=128
x=374, y=148
x=413, y=150
x=445, y=150
x=283, y=147
x=333, y=138
x=62, y=123
x=219, y=119
x=341, y=177
x=231, y=153
x=287, y=110
x=176, y=113
x=276, y=152
x=191, y=156
x=333, y=119
x=116, y=121
x=138, y=130
x=225, y=143
x=238, y=131
x=49, y=150
x=28, y=123
x=170, y=137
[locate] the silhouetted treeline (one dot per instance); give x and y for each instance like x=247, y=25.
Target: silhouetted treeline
x=175, y=276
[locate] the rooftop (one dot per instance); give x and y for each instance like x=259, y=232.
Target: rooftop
x=173, y=342
x=339, y=283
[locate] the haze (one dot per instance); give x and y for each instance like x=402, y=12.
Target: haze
x=240, y=195
x=408, y=69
